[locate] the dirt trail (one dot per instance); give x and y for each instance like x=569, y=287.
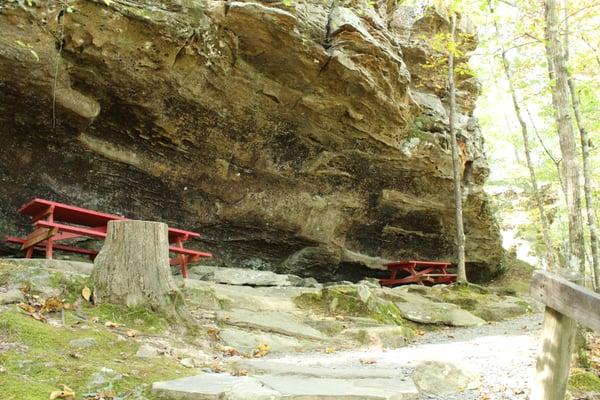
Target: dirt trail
x=502, y=354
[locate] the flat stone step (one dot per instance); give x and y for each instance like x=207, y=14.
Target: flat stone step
x=289, y=387
x=267, y=367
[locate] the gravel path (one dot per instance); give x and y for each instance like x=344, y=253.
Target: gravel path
x=502, y=354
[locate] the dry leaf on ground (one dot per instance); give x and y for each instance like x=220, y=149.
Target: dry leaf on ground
x=66, y=393
x=27, y=307
x=132, y=333
x=262, y=350
x=86, y=293
x=329, y=350
x=52, y=304
x=228, y=350
x=213, y=333
x=110, y=324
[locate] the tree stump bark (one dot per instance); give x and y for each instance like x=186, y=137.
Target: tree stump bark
x=133, y=267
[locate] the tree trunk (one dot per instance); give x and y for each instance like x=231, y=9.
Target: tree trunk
x=587, y=175
x=460, y=234
x=551, y=258
x=133, y=267
x=560, y=101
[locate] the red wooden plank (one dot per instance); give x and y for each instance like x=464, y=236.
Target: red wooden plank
x=82, y=216
x=68, y=213
x=189, y=252
x=57, y=246
x=91, y=232
x=416, y=263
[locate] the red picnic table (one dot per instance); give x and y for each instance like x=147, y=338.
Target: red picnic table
x=419, y=272
x=54, y=222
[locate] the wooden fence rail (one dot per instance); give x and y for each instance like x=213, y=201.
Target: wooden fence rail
x=566, y=305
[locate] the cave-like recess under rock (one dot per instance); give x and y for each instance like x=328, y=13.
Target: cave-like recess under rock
x=310, y=138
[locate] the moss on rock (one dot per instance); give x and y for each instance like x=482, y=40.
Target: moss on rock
x=40, y=358
x=351, y=300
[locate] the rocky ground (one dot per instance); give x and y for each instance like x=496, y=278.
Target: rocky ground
x=247, y=334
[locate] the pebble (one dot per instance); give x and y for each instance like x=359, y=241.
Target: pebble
x=83, y=343
x=187, y=362
x=147, y=351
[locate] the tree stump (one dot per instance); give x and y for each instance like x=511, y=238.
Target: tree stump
x=133, y=267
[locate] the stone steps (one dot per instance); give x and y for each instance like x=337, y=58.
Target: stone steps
x=289, y=387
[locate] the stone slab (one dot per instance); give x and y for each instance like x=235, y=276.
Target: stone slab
x=428, y=312
x=289, y=387
x=269, y=321
x=239, y=276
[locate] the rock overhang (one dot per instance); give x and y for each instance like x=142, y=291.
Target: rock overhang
x=292, y=136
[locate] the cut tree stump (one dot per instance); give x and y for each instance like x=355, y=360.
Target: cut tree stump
x=133, y=268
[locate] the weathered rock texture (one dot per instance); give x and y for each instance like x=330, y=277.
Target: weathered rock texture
x=309, y=138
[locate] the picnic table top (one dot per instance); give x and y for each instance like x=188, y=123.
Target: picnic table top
x=416, y=263
x=83, y=216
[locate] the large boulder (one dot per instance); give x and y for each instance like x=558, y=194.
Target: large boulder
x=310, y=139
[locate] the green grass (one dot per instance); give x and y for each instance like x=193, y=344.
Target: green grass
x=46, y=363
x=584, y=381
x=138, y=318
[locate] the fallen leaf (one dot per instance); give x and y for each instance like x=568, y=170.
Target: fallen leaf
x=132, y=333
x=367, y=361
x=329, y=350
x=66, y=393
x=228, y=350
x=262, y=350
x=241, y=372
x=86, y=293
x=110, y=324
x=105, y=395
x=52, y=304
x=216, y=367
x=213, y=333
x=95, y=320
x=27, y=307
x=25, y=288
x=38, y=317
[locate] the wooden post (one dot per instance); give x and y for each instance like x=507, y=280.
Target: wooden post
x=133, y=267
x=566, y=304
x=554, y=357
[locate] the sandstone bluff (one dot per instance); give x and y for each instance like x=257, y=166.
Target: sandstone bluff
x=310, y=138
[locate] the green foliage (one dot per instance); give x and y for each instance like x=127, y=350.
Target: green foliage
x=585, y=381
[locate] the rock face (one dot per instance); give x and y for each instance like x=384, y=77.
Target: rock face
x=310, y=138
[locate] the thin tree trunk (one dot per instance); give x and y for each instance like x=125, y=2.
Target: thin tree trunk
x=550, y=254
x=560, y=101
x=460, y=234
x=585, y=155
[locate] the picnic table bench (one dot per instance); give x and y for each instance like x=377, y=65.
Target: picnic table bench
x=54, y=222
x=419, y=272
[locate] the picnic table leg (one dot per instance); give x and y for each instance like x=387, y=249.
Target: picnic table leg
x=183, y=259
x=184, y=269
x=29, y=252
x=49, y=240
